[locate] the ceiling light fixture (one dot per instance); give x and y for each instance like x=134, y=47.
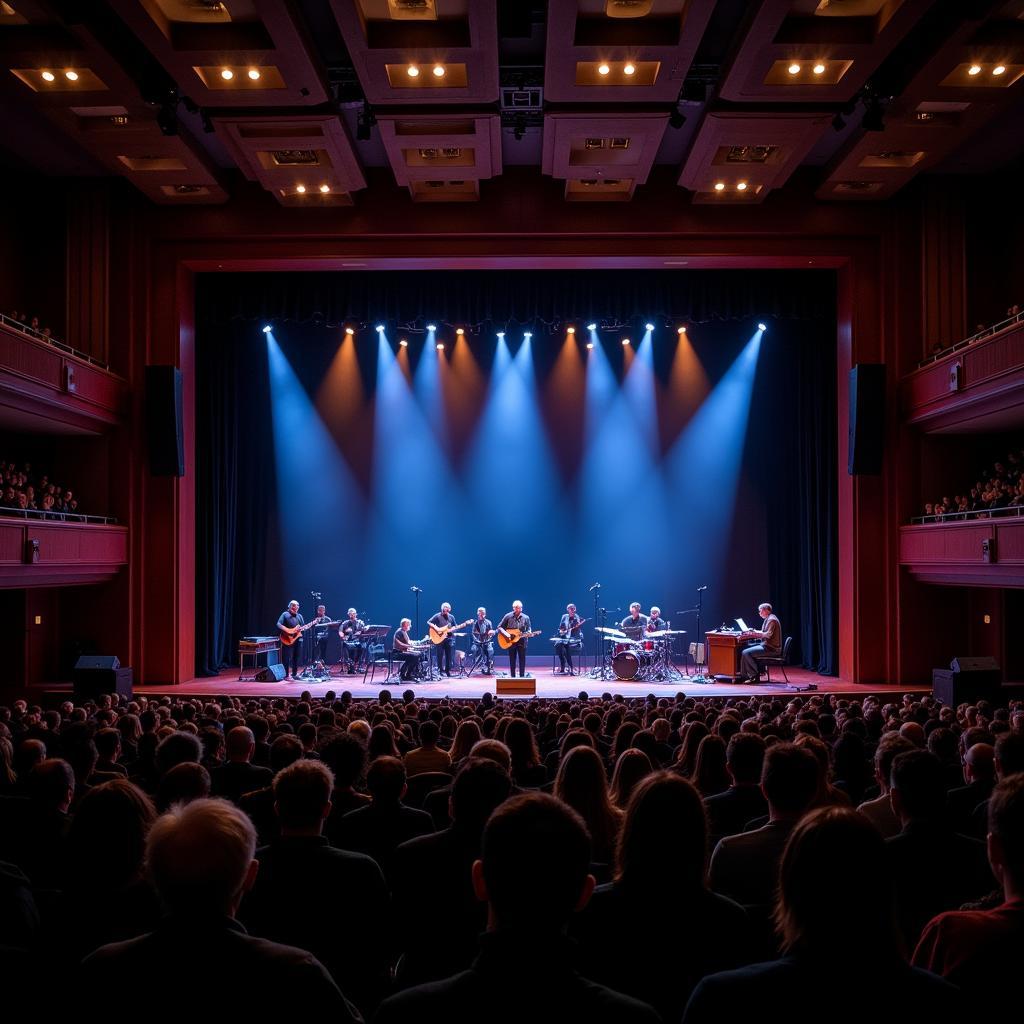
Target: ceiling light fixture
x=48, y=76
x=440, y=346
x=974, y=69
x=325, y=189
x=570, y=330
x=459, y=331
x=794, y=69
x=999, y=69
x=741, y=186
x=625, y=341
x=680, y=330
x=719, y=186
x=350, y=331
x=603, y=69
x=819, y=69
x=412, y=71
x=301, y=189
x=254, y=74
x=71, y=76
x=404, y=343
x=227, y=74
x=629, y=69
x=438, y=71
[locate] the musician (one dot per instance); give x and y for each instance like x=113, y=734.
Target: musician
x=444, y=649
x=320, y=635
x=516, y=619
x=771, y=643
x=291, y=655
x=655, y=622
x=569, y=629
x=634, y=624
x=481, y=646
x=405, y=650
x=351, y=645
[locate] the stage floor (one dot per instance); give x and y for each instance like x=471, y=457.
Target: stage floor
x=549, y=684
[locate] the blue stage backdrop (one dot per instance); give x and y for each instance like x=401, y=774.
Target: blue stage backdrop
x=516, y=459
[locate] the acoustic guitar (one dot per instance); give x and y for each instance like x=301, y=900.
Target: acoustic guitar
x=291, y=634
x=514, y=636
x=438, y=634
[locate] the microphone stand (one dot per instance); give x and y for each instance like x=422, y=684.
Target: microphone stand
x=702, y=677
x=597, y=636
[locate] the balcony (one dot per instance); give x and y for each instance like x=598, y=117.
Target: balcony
x=56, y=551
x=983, y=552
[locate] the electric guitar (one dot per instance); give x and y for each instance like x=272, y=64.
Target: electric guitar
x=438, y=634
x=571, y=629
x=510, y=637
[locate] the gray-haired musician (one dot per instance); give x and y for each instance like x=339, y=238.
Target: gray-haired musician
x=352, y=646
x=655, y=622
x=481, y=647
x=289, y=621
x=516, y=619
x=569, y=630
x=405, y=650
x=771, y=643
x=444, y=649
x=634, y=624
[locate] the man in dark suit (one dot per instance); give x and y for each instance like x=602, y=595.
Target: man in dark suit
x=533, y=874
x=238, y=774
x=441, y=921
x=380, y=827
x=34, y=829
x=342, y=922
x=980, y=776
x=743, y=801
x=201, y=859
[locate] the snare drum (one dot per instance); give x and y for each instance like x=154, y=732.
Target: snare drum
x=650, y=645
x=623, y=648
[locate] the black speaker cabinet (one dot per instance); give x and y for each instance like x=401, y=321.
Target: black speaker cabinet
x=967, y=681
x=270, y=674
x=96, y=675
x=867, y=419
x=164, y=436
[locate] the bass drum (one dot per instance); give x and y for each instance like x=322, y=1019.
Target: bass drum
x=626, y=665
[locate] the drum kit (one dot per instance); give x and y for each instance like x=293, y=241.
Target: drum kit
x=646, y=658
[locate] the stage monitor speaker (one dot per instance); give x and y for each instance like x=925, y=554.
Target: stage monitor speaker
x=164, y=435
x=96, y=675
x=867, y=419
x=516, y=686
x=982, y=664
x=967, y=685
x=270, y=674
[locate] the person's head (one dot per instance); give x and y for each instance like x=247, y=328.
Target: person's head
x=108, y=833
x=321, y=610
x=517, y=607
x=346, y=757
x=979, y=764
x=917, y=786
x=240, y=744
x=634, y=609
x=1006, y=834
x=744, y=758
x=177, y=748
x=481, y=613
x=429, y=732
x=493, y=750
x=293, y=607
x=520, y=741
x=405, y=624
x=201, y=858
x=479, y=788
x=858, y=917
x=51, y=784
x=533, y=868
x=914, y=732
x=1009, y=754
x=583, y=784
x=182, y=784
x=632, y=766
x=386, y=780
x=466, y=734
x=789, y=780
x=108, y=744
x=285, y=750
x=764, y=610
x=302, y=796
x=890, y=746
x=665, y=824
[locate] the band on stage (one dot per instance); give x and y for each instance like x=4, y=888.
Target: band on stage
x=637, y=649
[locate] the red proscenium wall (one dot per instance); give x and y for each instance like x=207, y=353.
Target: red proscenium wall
x=884, y=315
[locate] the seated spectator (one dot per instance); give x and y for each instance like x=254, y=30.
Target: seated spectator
x=583, y=785
x=980, y=950
x=631, y=767
x=527, y=770
x=259, y=804
x=182, y=784
x=385, y=822
x=428, y=756
x=441, y=919
x=438, y=801
x=710, y=775
x=879, y=810
x=349, y=887
x=533, y=875
x=688, y=931
x=744, y=867
x=238, y=775
x=834, y=851
x=1008, y=759
x=743, y=801
x=980, y=776
x=201, y=860
x=935, y=869
x=108, y=747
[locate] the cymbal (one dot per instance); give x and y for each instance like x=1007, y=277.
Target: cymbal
x=666, y=632
x=610, y=630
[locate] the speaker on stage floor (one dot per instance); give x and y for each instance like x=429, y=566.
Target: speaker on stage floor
x=271, y=674
x=98, y=674
x=967, y=680
x=866, y=419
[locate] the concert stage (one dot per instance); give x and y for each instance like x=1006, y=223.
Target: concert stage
x=549, y=685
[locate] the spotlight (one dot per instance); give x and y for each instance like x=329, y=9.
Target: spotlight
x=404, y=343
x=974, y=69
x=590, y=344
x=625, y=341
x=762, y=327
x=227, y=74
x=48, y=76
x=527, y=335
x=603, y=69
x=680, y=330
x=412, y=71
x=71, y=76
x=999, y=69
x=267, y=328
x=459, y=331
x=350, y=331
x=440, y=346
x=648, y=327
x=301, y=189
x=591, y=327
x=380, y=328
x=325, y=189
x=431, y=327
x=819, y=69
x=794, y=69
x=719, y=186
x=570, y=329
x=254, y=74
x=438, y=71
x=501, y=335
x=741, y=186
x=629, y=69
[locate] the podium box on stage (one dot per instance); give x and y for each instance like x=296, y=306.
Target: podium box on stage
x=516, y=686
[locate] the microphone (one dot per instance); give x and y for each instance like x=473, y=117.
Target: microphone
x=416, y=590
x=593, y=587
x=699, y=589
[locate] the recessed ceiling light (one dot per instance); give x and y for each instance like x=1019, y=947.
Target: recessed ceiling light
x=48, y=76
x=741, y=186
x=254, y=74
x=501, y=335
x=71, y=76
x=719, y=186
x=974, y=69
x=527, y=335
x=300, y=189
x=438, y=71
x=603, y=69
x=629, y=69
x=325, y=188
x=412, y=71
x=819, y=69
x=227, y=74
x=794, y=69
x=999, y=69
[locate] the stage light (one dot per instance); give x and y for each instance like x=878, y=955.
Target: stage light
x=404, y=343
x=648, y=327
x=440, y=346
x=590, y=344
x=819, y=69
x=999, y=69
x=762, y=327
x=412, y=71
x=629, y=69
x=48, y=76
x=431, y=327
x=254, y=74
x=459, y=331
x=227, y=74
x=974, y=69
x=603, y=69
x=350, y=331
x=501, y=335
x=438, y=71
x=625, y=341
x=591, y=327
x=680, y=330
x=570, y=329
x=301, y=189
x=380, y=328
x=741, y=186
x=325, y=189
x=719, y=186
x=794, y=69
x=71, y=76
x=267, y=329
x=527, y=335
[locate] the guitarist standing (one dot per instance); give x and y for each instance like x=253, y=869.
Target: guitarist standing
x=516, y=619
x=444, y=649
x=291, y=655
x=569, y=629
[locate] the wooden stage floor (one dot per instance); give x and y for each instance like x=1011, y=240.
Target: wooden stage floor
x=549, y=685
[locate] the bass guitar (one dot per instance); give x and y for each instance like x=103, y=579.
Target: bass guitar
x=571, y=629
x=510, y=637
x=438, y=634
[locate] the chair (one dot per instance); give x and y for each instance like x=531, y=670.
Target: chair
x=377, y=657
x=782, y=660
x=420, y=785
x=576, y=650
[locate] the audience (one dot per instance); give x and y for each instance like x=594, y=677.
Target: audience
x=998, y=486
x=22, y=490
